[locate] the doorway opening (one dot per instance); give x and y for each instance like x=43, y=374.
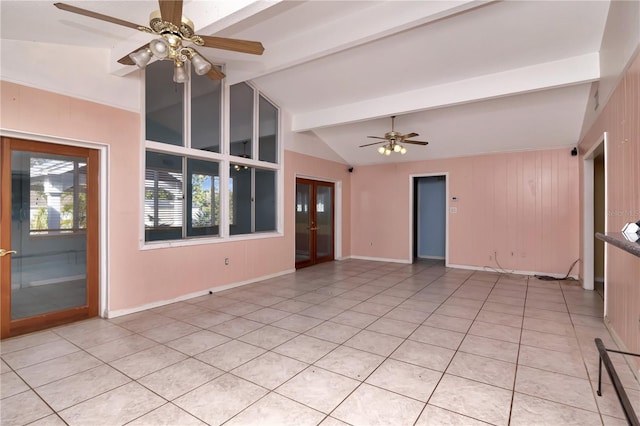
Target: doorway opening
x=594, y=215
x=430, y=221
x=315, y=222
x=599, y=215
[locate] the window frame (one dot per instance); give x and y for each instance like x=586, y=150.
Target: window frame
x=224, y=160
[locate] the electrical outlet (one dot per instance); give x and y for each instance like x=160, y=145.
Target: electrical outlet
x=226, y=260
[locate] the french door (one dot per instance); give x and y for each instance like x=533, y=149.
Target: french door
x=314, y=222
x=48, y=235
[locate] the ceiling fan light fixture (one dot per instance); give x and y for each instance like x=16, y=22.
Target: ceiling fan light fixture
x=180, y=74
x=200, y=65
x=173, y=29
x=142, y=57
x=394, y=142
x=159, y=47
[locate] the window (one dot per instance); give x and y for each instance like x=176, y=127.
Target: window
x=164, y=104
x=241, y=125
x=264, y=209
x=206, y=123
x=268, y=131
x=57, y=194
x=204, y=191
x=254, y=195
x=163, y=197
x=188, y=158
x=166, y=207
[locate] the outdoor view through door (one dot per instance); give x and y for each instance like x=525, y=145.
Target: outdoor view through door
x=314, y=222
x=49, y=235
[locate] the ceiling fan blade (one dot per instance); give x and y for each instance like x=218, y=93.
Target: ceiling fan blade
x=417, y=142
x=244, y=46
x=215, y=73
x=126, y=60
x=377, y=137
x=95, y=15
x=369, y=144
x=409, y=135
x=171, y=11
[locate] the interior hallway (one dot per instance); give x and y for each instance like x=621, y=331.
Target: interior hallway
x=349, y=342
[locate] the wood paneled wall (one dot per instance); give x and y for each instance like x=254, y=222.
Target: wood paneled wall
x=620, y=118
x=522, y=206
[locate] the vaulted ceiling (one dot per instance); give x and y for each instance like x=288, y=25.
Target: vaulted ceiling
x=470, y=77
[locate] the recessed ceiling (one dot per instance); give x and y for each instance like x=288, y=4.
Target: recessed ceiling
x=469, y=76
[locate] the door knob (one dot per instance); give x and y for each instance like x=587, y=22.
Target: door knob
x=4, y=252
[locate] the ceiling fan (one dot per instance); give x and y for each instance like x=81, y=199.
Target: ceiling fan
x=393, y=141
x=173, y=29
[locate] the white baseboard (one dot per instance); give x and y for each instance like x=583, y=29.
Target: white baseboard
x=431, y=257
x=508, y=271
x=121, y=312
x=381, y=259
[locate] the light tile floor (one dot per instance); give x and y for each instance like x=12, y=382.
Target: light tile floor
x=351, y=342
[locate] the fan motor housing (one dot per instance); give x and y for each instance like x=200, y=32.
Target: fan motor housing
x=159, y=26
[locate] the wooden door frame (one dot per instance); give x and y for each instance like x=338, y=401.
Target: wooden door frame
x=336, y=224
x=8, y=327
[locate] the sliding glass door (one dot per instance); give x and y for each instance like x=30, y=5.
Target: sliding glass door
x=49, y=235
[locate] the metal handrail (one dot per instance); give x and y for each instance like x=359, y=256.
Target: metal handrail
x=629, y=413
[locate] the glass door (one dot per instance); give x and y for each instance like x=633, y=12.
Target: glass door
x=49, y=235
x=314, y=222
x=303, y=223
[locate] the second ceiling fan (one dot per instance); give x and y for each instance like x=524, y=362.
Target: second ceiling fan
x=173, y=29
x=393, y=141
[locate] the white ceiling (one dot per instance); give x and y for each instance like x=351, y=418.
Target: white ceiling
x=469, y=76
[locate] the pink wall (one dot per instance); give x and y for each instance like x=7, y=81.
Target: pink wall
x=141, y=277
x=520, y=203
x=524, y=206
x=620, y=118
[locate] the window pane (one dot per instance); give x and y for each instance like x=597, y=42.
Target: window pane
x=265, y=200
x=268, y=129
x=164, y=104
x=204, y=190
x=73, y=214
x=57, y=193
x=324, y=220
x=163, y=197
x=205, y=113
x=240, y=200
x=241, y=120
